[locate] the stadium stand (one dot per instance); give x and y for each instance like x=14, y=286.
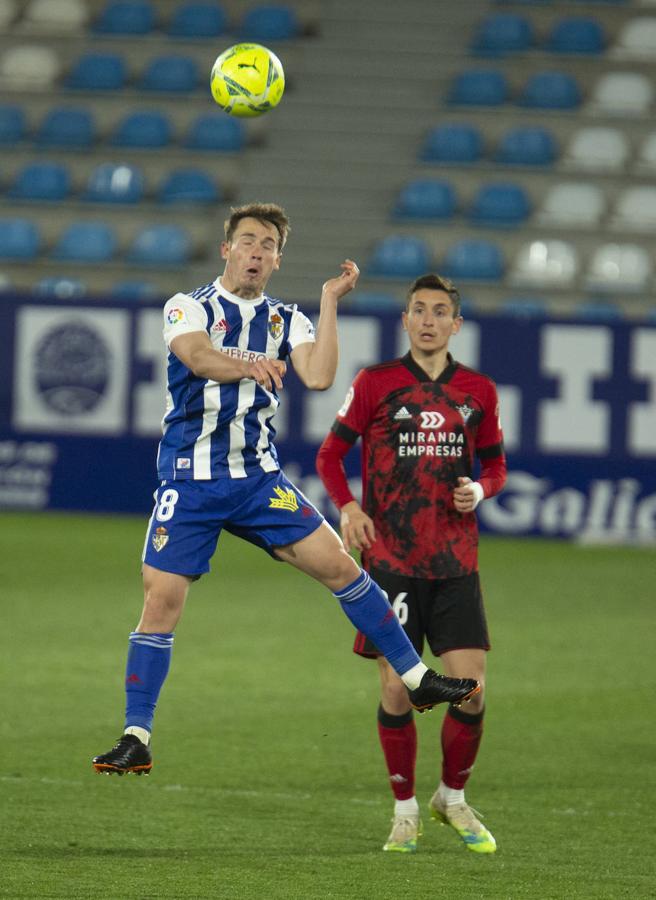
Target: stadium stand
x=86, y=242
x=115, y=183
x=42, y=181
x=67, y=127
x=426, y=199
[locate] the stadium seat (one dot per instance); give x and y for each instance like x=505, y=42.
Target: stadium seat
x=66, y=127
x=134, y=290
x=527, y=146
x=525, y=307
x=426, y=199
x=503, y=33
x=216, y=132
x=478, y=87
x=453, y=143
x=270, y=23
x=635, y=209
x=41, y=181
x=619, y=268
x=597, y=311
x=577, y=35
x=400, y=256
x=197, y=20
x=60, y=16
x=621, y=94
x=546, y=264
x=115, y=183
x=29, y=67
x=189, y=186
x=13, y=125
x=98, y=72
x=597, y=149
x=60, y=287
x=551, y=90
x=161, y=245
x=646, y=158
x=474, y=260
x=572, y=205
x=374, y=301
x=636, y=39
x=143, y=129
x=86, y=242
x=126, y=17
x=175, y=74
x=500, y=204
x=20, y=239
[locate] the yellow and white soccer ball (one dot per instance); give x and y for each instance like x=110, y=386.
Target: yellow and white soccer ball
x=247, y=80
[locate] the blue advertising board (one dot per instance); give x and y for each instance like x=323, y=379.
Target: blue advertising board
x=82, y=391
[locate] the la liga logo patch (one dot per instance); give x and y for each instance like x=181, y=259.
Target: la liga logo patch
x=176, y=315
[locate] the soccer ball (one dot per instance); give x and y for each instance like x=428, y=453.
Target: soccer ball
x=247, y=80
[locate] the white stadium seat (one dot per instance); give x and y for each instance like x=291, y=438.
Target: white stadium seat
x=646, y=160
x=635, y=209
x=597, y=149
x=545, y=263
x=619, y=268
x=63, y=16
x=572, y=205
x=29, y=66
x=636, y=40
x=621, y=94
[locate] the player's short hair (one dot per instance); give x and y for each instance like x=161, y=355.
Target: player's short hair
x=433, y=282
x=263, y=212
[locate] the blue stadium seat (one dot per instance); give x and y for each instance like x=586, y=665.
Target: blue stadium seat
x=217, y=132
x=577, y=35
x=478, y=87
x=598, y=310
x=197, y=20
x=98, y=72
x=474, y=260
x=503, y=33
x=60, y=287
x=86, y=242
x=175, y=74
x=189, y=186
x=135, y=290
x=400, y=256
x=41, y=181
x=527, y=146
x=12, y=124
x=143, y=129
x=499, y=205
x=130, y=17
x=161, y=245
x=525, y=307
x=66, y=128
x=453, y=143
x=551, y=90
x=270, y=23
x=20, y=239
x=115, y=183
x=426, y=199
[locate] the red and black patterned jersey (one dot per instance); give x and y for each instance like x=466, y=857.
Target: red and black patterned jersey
x=418, y=436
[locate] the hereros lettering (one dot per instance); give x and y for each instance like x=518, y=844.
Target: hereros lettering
x=286, y=500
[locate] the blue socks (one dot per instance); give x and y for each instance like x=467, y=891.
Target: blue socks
x=369, y=610
x=149, y=658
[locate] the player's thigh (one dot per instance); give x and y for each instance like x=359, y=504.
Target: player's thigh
x=322, y=556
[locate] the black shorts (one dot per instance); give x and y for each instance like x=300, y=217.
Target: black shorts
x=448, y=613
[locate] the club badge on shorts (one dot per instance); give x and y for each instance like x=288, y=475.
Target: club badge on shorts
x=160, y=539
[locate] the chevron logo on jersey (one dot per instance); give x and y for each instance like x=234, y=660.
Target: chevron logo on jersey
x=286, y=500
x=431, y=419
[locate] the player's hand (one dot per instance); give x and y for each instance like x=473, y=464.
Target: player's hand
x=268, y=373
x=358, y=532
x=340, y=285
x=467, y=495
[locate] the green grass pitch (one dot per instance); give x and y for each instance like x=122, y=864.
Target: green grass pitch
x=268, y=779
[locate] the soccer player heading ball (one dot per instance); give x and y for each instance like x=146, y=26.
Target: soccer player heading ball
x=423, y=420
x=228, y=345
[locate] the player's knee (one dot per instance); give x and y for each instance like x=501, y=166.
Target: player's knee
x=394, y=698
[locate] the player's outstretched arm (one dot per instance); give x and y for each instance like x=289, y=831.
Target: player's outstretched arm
x=316, y=363
x=195, y=350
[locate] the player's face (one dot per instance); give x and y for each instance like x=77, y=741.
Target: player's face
x=251, y=256
x=430, y=320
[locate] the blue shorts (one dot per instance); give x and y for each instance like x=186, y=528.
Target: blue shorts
x=188, y=517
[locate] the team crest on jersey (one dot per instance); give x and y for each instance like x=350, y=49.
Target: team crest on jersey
x=284, y=500
x=465, y=411
x=160, y=538
x=276, y=326
x=176, y=315
x=221, y=325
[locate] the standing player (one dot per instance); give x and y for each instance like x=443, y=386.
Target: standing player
x=219, y=469
x=423, y=419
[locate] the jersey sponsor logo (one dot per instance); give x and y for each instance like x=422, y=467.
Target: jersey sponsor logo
x=176, y=315
x=465, y=411
x=276, y=326
x=431, y=419
x=221, y=325
x=402, y=414
x=160, y=539
x=344, y=408
x=249, y=355
x=432, y=443
x=183, y=462
x=284, y=500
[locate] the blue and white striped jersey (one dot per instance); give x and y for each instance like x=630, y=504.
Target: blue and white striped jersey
x=213, y=430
